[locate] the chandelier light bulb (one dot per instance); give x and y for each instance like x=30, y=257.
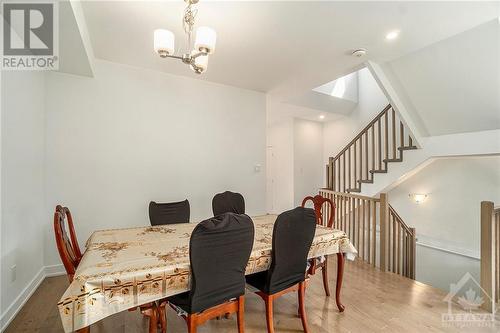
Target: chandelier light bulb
x=205, y=40
x=164, y=42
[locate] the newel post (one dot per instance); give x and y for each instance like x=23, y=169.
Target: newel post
x=488, y=256
x=384, y=228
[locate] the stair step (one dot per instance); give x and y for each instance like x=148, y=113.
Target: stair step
x=408, y=148
x=393, y=160
x=356, y=190
x=378, y=171
x=365, y=181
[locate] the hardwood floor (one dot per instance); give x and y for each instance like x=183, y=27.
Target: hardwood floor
x=374, y=302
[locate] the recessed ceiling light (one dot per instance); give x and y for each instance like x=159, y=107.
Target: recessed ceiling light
x=321, y=116
x=392, y=35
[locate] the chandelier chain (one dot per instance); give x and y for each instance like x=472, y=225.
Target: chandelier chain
x=188, y=20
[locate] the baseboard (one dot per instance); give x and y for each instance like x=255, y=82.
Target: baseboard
x=54, y=270
x=20, y=300
x=47, y=271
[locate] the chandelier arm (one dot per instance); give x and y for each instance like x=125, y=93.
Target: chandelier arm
x=199, y=54
x=173, y=56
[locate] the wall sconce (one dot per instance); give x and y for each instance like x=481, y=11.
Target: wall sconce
x=418, y=198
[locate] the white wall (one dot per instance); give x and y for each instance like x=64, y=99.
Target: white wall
x=295, y=167
x=450, y=217
x=22, y=176
x=280, y=186
x=440, y=269
x=308, y=158
x=371, y=101
x=128, y=136
x=453, y=85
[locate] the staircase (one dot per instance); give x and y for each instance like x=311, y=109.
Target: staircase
x=381, y=142
x=377, y=231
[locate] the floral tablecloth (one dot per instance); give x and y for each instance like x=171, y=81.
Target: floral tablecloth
x=124, y=268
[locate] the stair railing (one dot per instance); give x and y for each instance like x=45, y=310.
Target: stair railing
x=379, y=143
x=379, y=234
x=490, y=255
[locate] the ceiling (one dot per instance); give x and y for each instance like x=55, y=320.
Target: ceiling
x=453, y=86
x=283, y=48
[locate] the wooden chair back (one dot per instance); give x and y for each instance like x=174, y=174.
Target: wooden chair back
x=68, y=248
x=319, y=202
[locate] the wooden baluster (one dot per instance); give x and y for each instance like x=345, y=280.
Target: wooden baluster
x=379, y=122
x=328, y=184
x=394, y=134
x=487, y=262
x=413, y=251
x=366, y=155
x=331, y=174
x=374, y=233
x=394, y=234
x=363, y=227
x=404, y=253
x=358, y=225
x=410, y=141
x=384, y=225
x=368, y=232
x=401, y=138
x=373, y=150
x=348, y=217
x=361, y=155
x=497, y=245
x=343, y=171
x=386, y=136
x=398, y=248
x=355, y=173
x=349, y=168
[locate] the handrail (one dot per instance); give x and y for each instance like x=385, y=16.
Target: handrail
x=400, y=219
x=382, y=140
x=364, y=130
x=350, y=195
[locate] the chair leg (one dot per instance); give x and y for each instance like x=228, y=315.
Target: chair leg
x=269, y=314
x=152, y=314
x=324, y=271
x=191, y=324
x=340, y=275
x=241, y=314
x=162, y=313
x=302, y=307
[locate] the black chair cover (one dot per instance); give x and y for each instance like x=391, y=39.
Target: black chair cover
x=293, y=234
x=228, y=202
x=169, y=213
x=219, y=250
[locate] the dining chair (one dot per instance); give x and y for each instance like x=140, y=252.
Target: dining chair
x=228, y=202
x=321, y=262
x=293, y=233
x=70, y=254
x=169, y=213
x=68, y=248
x=219, y=250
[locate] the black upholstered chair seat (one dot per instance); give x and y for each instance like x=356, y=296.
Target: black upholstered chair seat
x=258, y=280
x=181, y=301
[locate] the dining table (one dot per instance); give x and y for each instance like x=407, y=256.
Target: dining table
x=128, y=267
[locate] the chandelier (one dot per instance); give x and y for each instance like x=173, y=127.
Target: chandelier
x=204, y=43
